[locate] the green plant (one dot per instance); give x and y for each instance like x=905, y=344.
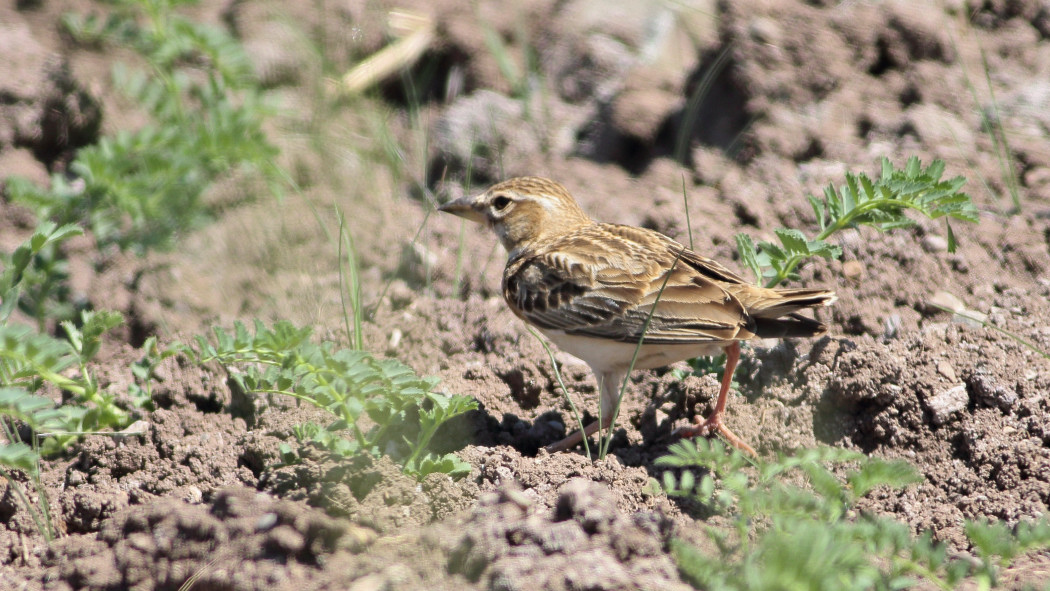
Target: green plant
x=380, y=406
x=564, y=390
x=141, y=392
x=997, y=545
x=30, y=359
x=350, y=286
x=38, y=414
x=33, y=273
x=33, y=425
x=986, y=324
x=520, y=78
x=139, y=189
x=992, y=125
x=881, y=204
x=784, y=536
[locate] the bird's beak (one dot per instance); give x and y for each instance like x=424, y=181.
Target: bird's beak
x=465, y=207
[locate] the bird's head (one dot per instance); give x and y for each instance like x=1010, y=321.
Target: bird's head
x=522, y=211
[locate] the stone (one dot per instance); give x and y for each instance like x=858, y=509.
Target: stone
x=946, y=403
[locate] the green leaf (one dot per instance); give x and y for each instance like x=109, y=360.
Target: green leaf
x=952, y=243
x=818, y=211
x=867, y=186
x=687, y=482
x=446, y=464
x=824, y=482
x=991, y=539
x=403, y=412
x=824, y=249
x=882, y=204
x=887, y=169
x=849, y=194
x=877, y=472
x=746, y=248
x=776, y=254
x=914, y=167
x=8, y=301
x=20, y=456
x=793, y=240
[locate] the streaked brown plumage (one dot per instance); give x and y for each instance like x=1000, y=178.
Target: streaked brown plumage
x=590, y=287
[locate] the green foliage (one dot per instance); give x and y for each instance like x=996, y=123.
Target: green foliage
x=141, y=392
x=380, y=406
x=881, y=204
x=998, y=545
x=792, y=537
x=701, y=366
x=520, y=78
x=992, y=125
x=29, y=359
x=139, y=189
x=38, y=413
x=34, y=274
x=135, y=189
x=350, y=285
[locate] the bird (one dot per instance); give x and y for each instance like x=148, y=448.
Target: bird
x=596, y=289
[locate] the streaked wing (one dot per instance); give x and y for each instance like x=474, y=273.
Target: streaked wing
x=602, y=281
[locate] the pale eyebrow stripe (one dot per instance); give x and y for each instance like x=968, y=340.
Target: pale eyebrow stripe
x=548, y=204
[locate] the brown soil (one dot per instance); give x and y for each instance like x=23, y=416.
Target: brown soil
x=796, y=93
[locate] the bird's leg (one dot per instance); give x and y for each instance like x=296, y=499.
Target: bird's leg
x=713, y=425
x=577, y=436
x=609, y=385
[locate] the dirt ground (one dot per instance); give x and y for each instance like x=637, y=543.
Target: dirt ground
x=745, y=107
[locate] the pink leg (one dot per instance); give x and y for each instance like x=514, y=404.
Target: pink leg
x=576, y=436
x=713, y=425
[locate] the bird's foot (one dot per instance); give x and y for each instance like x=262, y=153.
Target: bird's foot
x=714, y=426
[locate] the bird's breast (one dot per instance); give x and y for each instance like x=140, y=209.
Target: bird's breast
x=603, y=355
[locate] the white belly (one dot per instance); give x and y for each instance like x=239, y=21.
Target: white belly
x=604, y=355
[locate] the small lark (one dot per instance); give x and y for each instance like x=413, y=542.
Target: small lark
x=590, y=287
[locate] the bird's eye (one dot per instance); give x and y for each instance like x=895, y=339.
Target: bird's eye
x=500, y=202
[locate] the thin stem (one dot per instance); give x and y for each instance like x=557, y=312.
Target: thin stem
x=928, y=575
x=457, y=276
x=984, y=323
x=342, y=279
x=565, y=391
x=843, y=222
x=351, y=284
x=688, y=223
x=386, y=286
x=41, y=526
x=421, y=445
x=603, y=447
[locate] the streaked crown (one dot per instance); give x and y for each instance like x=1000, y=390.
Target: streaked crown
x=522, y=211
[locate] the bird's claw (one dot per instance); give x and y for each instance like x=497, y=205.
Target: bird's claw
x=714, y=426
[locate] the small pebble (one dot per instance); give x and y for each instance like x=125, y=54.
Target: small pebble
x=943, y=299
x=395, y=340
x=945, y=369
x=853, y=270
x=945, y=404
x=934, y=243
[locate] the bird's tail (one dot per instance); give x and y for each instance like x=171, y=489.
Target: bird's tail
x=778, y=317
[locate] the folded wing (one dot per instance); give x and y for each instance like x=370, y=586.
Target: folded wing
x=603, y=282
